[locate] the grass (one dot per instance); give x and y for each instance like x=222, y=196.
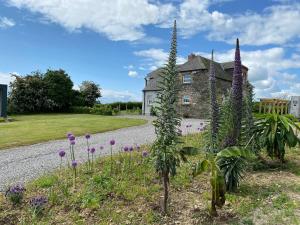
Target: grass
x=132, y=192
x=31, y=129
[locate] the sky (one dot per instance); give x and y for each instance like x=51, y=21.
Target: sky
x=116, y=43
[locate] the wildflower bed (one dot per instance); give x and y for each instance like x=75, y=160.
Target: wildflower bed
x=128, y=193
x=44, y=127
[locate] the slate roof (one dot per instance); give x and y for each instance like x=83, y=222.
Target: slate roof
x=194, y=64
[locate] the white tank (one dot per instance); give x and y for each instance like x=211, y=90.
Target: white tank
x=295, y=106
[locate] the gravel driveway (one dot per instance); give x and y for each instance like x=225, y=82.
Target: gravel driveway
x=21, y=164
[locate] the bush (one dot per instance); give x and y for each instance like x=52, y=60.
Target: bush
x=103, y=110
x=125, y=105
x=80, y=109
x=97, y=110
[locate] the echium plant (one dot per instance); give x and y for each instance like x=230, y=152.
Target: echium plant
x=214, y=108
x=164, y=149
x=236, y=99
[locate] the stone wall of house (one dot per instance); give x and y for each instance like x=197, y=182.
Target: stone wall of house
x=198, y=91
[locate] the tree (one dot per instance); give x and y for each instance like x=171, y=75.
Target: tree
x=90, y=92
x=165, y=149
x=59, y=88
x=214, y=108
x=29, y=94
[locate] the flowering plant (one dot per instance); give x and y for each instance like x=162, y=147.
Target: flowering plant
x=15, y=194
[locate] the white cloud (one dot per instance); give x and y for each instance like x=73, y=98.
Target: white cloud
x=118, y=19
x=6, y=78
x=267, y=70
x=154, y=58
x=123, y=96
x=132, y=73
x=6, y=22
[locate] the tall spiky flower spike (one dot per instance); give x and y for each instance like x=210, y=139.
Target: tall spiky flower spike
x=214, y=108
x=237, y=94
x=164, y=149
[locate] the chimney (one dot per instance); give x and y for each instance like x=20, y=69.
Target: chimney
x=191, y=56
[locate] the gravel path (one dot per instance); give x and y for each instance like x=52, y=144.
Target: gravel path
x=21, y=164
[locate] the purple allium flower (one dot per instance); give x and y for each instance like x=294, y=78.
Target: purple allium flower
x=131, y=148
x=72, y=142
x=93, y=150
x=201, y=124
x=138, y=147
x=101, y=147
x=145, y=154
x=126, y=149
x=69, y=134
x=62, y=153
x=112, y=142
x=74, y=163
x=87, y=136
x=72, y=137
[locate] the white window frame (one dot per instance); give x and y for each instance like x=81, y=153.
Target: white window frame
x=187, y=81
x=150, y=100
x=188, y=98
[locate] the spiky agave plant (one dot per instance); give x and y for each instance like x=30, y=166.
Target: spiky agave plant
x=164, y=149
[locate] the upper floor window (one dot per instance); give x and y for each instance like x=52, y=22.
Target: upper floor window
x=186, y=100
x=187, y=78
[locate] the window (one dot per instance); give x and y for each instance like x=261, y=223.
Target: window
x=187, y=78
x=186, y=100
x=150, y=100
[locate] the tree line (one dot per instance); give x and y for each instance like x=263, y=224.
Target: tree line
x=51, y=91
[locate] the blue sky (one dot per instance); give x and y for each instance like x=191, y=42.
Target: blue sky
x=117, y=42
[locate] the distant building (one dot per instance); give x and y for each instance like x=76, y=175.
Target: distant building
x=194, y=86
x=3, y=100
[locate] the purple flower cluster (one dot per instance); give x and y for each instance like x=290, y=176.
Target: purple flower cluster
x=38, y=203
x=93, y=150
x=112, y=142
x=145, y=154
x=188, y=126
x=74, y=163
x=15, y=194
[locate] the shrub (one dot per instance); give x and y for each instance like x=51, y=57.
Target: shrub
x=276, y=132
x=15, y=194
x=80, y=109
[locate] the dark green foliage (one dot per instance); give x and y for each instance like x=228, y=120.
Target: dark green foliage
x=164, y=150
x=126, y=105
x=90, y=93
x=275, y=132
x=59, y=88
x=29, y=94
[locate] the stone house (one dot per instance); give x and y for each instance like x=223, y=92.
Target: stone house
x=193, y=99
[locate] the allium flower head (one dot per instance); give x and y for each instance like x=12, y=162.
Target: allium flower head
x=87, y=136
x=72, y=142
x=74, y=163
x=138, y=147
x=72, y=137
x=61, y=153
x=69, y=134
x=112, y=142
x=131, y=148
x=126, y=149
x=145, y=154
x=101, y=147
x=93, y=150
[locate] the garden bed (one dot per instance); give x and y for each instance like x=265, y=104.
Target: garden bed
x=130, y=194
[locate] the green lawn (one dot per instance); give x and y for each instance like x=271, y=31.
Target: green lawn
x=30, y=129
